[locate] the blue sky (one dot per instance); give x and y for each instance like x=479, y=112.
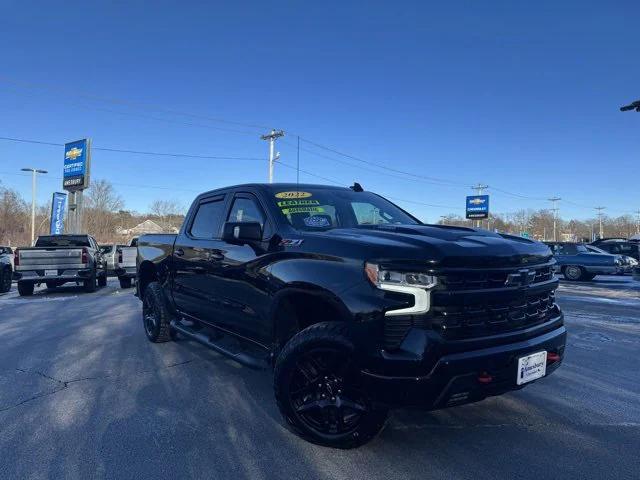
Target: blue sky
x=522, y=96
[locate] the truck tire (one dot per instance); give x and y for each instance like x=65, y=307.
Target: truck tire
x=5, y=280
x=90, y=283
x=573, y=273
x=156, y=317
x=102, y=281
x=318, y=391
x=25, y=289
x=125, y=282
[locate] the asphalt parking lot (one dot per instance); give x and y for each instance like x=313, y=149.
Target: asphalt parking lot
x=83, y=394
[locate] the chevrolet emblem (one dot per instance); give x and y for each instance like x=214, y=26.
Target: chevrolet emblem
x=74, y=153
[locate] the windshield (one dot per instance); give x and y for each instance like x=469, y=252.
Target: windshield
x=322, y=209
x=63, y=241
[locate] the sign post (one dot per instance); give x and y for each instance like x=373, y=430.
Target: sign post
x=75, y=178
x=58, y=205
x=477, y=207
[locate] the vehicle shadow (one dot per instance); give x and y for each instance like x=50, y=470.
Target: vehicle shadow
x=126, y=408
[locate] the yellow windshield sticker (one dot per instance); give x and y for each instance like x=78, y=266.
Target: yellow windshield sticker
x=288, y=211
x=293, y=195
x=297, y=203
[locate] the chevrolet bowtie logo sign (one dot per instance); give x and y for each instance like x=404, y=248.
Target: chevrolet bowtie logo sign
x=520, y=279
x=73, y=153
x=476, y=201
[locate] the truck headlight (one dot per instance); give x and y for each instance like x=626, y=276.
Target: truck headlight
x=413, y=283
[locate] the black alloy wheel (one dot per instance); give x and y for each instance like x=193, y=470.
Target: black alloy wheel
x=324, y=393
x=149, y=317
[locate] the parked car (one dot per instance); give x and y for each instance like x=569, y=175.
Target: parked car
x=110, y=256
x=126, y=263
x=619, y=246
x=58, y=259
x=626, y=263
x=576, y=262
x=6, y=268
x=357, y=305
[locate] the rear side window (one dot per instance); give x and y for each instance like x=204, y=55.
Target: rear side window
x=207, y=220
x=567, y=250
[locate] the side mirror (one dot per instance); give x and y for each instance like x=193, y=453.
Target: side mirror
x=242, y=232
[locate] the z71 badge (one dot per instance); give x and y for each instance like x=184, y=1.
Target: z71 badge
x=291, y=242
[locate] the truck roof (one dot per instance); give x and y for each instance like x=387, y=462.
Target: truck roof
x=270, y=187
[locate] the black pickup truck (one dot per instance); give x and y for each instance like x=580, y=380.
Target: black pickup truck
x=356, y=305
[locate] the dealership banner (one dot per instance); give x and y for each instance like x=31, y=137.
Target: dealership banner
x=58, y=208
x=77, y=165
x=477, y=207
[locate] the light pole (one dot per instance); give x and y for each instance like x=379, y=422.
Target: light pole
x=273, y=157
x=555, y=215
x=599, y=209
x=34, y=172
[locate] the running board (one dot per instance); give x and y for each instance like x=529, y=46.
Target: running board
x=242, y=358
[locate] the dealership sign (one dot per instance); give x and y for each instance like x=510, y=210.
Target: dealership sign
x=58, y=206
x=77, y=165
x=478, y=207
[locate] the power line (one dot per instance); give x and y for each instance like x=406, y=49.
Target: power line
x=117, y=101
x=379, y=165
x=155, y=107
x=138, y=152
x=338, y=182
x=387, y=174
x=157, y=187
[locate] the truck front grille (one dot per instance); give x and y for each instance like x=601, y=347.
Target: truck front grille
x=472, y=280
x=477, y=303
x=483, y=319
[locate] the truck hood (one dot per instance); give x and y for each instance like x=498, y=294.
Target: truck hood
x=438, y=245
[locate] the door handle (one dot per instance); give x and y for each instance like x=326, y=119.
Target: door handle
x=179, y=252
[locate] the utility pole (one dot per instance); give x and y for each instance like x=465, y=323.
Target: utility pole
x=637, y=212
x=273, y=157
x=34, y=172
x=555, y=209
x=599, y=209
x=479, y=188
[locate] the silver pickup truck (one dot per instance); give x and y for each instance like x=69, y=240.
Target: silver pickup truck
x=58, y=259
x=125, y=266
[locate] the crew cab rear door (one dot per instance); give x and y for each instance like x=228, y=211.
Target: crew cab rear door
x=196, y=255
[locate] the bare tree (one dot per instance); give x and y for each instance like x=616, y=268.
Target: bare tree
x=101, y=210
x=14, y=218
x=169, y=213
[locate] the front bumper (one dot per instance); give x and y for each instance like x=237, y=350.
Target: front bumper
x=65, y=275
x=454, y=378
